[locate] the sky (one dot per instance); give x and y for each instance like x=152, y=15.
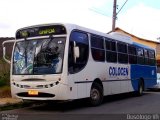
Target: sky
x=138, y=17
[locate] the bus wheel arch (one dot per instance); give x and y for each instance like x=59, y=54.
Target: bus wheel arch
x=96, y=93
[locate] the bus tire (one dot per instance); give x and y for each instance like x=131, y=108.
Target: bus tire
x=140, y=88
x=96, y=94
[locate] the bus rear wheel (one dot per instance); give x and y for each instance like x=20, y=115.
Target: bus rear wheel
x=140, y=88
x=96, y=94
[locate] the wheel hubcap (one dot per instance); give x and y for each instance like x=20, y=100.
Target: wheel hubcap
x=94, y=94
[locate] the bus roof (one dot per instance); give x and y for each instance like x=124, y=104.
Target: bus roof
x=114, y=35
x=71, y=27
x=143, y=46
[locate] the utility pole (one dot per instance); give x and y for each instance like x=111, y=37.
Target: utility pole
x=114, y=15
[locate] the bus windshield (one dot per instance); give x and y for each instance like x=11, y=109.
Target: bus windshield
x=39, y=56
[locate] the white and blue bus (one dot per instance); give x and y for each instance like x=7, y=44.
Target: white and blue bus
x=68, y=62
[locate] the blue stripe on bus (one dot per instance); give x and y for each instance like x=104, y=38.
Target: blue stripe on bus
x=147, y=73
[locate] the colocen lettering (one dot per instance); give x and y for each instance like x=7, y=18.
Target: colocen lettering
x=118, y=71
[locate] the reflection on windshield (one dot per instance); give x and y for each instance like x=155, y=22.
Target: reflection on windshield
x=39, y=56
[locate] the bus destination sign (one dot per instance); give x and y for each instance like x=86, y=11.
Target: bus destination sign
x=40, y=31
x=47, y=31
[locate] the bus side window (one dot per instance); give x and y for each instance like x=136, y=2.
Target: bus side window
x=132, y=54
x=152, y=60
x=140, y=55
x=122, y=52
x=97, y=48
x=146, y=57
x=111, y=53
x=81, y=40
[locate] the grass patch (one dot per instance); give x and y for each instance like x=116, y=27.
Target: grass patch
x=5, y=91
x=4, y=73
x=5, y=88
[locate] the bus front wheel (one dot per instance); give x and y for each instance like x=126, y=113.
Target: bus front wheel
x=96, y=94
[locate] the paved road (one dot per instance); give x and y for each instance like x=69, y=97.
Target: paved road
x=113, y=106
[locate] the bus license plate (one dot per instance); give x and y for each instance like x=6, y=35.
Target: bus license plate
x=32, y=92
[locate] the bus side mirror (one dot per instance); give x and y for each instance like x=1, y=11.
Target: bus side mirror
x=4, y=50
x=4, y=55
x=76, y=52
